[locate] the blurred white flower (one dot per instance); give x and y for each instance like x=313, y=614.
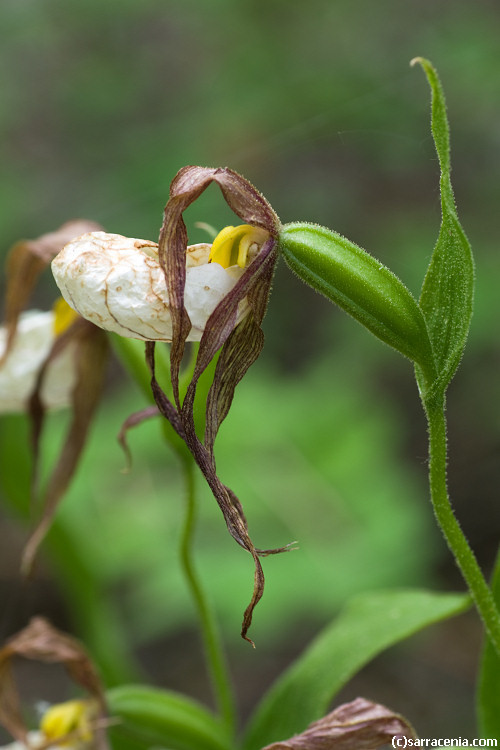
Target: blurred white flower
x=34, y=739
x=78, y=724
x=35, y=336
x=73, y=717
x=118, y=284
x=39, y=739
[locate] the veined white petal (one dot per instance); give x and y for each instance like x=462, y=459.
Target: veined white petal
x=32, y=344
x=117, y=283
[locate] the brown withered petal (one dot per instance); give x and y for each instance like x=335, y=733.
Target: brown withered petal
x=166, y=408
x=239, y=346
x=40, y=641
x=359, y=725
x=91, y=349
x=189, y=183
x=227, y=500
x=242, y=347
x=26, y=260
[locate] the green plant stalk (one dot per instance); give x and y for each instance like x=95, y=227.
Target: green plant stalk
x=463, y=554
x=214, y=651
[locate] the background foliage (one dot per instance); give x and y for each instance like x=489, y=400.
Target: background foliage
x=101, y=103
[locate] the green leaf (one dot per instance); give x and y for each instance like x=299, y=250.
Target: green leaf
x=447, y=292
x=360, y=285
x=489, y=679
x=367, y=626
x=166, y=719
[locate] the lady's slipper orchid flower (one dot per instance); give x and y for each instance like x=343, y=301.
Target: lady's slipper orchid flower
x=175, y=292
x=63, y=725
x=75, y=724
x=48, y=360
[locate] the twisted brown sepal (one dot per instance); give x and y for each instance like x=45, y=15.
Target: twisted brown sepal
x=40, y=641
x=25, y=262
x=239, y=346
x=90, y=351
x=188, y=184
x=359, y=725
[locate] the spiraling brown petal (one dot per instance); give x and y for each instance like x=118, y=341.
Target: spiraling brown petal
x=239, y=346
x=359, y=725
x=40, y=641
x=245, y=342
x=227, y=500
x=91, y=349
x=166, y=408
x=238, y=353
x=26, y=260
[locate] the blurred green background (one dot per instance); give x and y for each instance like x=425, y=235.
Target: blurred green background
x=101, y=102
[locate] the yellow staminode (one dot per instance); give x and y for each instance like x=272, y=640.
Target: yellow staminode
x=64, y=316
x=63, y=718
x=232, y=245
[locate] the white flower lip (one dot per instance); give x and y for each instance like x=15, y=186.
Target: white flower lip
x=117, y=283
x=32, y=344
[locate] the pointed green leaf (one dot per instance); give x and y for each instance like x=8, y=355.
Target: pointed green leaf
x=489, y=679
x=367, y=626
x=165, y=719
x=447, y=292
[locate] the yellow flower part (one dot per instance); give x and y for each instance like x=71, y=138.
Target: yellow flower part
x=64, y=316
x=63, y=718
x=237, y=245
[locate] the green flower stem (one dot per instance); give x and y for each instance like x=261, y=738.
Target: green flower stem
x=214, y=652
x=464, y=556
